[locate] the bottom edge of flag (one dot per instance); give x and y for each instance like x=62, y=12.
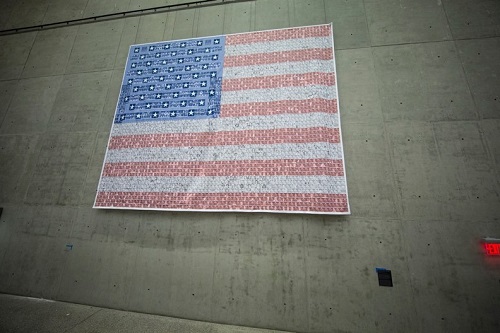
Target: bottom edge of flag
x=227, y=210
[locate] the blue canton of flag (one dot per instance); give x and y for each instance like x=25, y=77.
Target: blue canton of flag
x=175, y=80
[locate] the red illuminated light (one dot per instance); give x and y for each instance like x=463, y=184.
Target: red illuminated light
x=492, y=249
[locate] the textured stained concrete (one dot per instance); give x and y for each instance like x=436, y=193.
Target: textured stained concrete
x=419, y=85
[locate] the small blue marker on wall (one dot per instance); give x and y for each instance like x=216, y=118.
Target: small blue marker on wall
x=384, y=277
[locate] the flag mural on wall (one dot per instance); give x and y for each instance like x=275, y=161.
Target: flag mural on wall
x=240, y=122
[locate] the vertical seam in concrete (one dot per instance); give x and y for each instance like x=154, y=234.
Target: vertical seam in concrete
x=306, y=279
x=283, y=276
x=291, y=13
x=72, y=48
x=46, y=11
x=85, y=8
x=216, y=249
x=398, y=205
x=397, y=190
x=173, y=27
x=410, y=280
x=447, y=20
x=129, y=4
x=224, y=20
x=194, y=28
x=139, y=23
x=440, y=160
x=367, y=25
x=167, y=18
x=489, y=151
x=476, y=111
x=29, y=53
x=116, y=54
x=134, y=270
x=6, y=249
x=254, y=14
x=128, y=273
x=11, y=97
x=288, y=11
x=324, y=18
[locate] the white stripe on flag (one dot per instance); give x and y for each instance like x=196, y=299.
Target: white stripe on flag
x=226, y=184
x=278, y=46
x=296, y=67
x=278, y=94
x=228, y=153
x=302, y=120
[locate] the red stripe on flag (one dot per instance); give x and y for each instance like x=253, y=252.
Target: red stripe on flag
x=285, y=167
x=300, y=202
x=273, y=35
x=246, y=137
x=279, y=107
x=276, y=57
x=279, y=81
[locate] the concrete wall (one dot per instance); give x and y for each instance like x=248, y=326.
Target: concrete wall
x=419, y=92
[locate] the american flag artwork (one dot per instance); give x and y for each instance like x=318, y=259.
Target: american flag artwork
x=239, y=122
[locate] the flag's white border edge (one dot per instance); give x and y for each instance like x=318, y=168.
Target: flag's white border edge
x=340, y=121
x=230, y=210
x=227, y=210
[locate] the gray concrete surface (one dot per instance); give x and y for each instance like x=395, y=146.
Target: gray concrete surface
x=24, y=314
x=419, y=85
